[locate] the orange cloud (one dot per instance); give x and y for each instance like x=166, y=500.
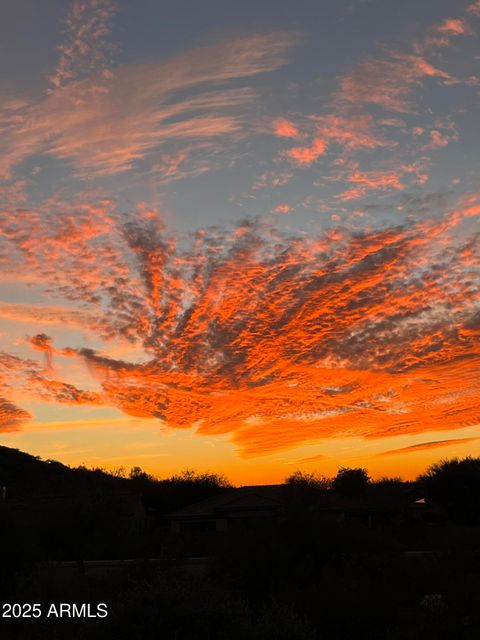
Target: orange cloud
x=387, y=82
x=439, y=139
x=62, y=392
x=273, y=339
x=11, y=416
x=282, y=208
x=422, y=446
x=364, y=181
x=285, y=128
x=12, y=371
x=350, y=133
x=305, y=156
x=452, y=27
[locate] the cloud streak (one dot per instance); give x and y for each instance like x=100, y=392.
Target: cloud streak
x=89, y=123
x=50, y=315
x=387, y=82
x=424, y=446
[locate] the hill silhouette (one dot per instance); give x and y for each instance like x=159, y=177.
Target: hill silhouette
x=27, y=475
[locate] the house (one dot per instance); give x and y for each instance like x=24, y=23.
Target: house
x=243, y=506
x=249, y=506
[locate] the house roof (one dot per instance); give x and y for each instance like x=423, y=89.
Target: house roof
x=273, y=496
x=238, y=499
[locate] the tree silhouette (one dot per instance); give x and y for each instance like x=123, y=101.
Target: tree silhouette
x=305, y=489
x=455, y=485
x=351, y=482
x=182, y=489
x=308, y=480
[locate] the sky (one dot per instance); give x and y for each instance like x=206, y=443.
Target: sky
x=240, y=237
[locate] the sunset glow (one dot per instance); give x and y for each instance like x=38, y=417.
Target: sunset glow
x=245, y=250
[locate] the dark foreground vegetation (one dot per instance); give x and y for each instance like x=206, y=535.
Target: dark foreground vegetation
x=343, y=558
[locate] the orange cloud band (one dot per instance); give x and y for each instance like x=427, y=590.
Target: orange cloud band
x=274, y=339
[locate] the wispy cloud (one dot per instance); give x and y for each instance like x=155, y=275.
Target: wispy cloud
x=422, y=446
x=89, y=122
x=50, y=315
x=360, y=182
x=349, y=129
x=387, y=82
x=309, y=459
